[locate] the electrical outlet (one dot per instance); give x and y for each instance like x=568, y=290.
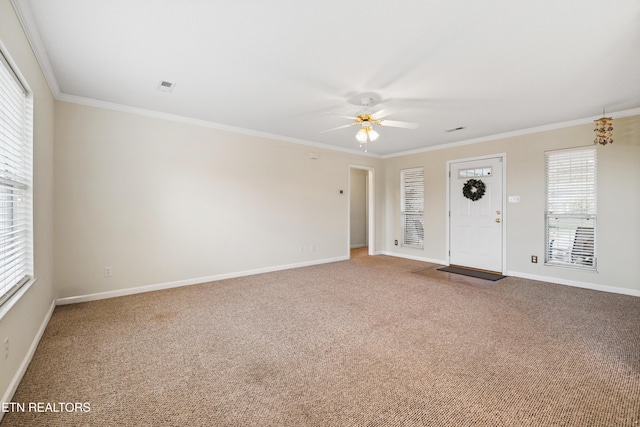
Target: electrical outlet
x=534, y=259
x=395, y=242
x=6, y=348
x=107, y=272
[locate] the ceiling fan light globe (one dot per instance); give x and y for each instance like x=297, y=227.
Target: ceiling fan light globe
x=361, y=136
x=373, y=135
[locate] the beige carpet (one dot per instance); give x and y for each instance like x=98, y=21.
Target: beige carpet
x=356, y=343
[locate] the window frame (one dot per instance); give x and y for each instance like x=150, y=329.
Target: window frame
x=413, y=209
x=16, y=183
x=571, y=208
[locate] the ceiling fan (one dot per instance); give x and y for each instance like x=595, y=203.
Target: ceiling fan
x=367, y=121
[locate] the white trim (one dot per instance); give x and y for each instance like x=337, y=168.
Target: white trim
x=25, y=16
x=505, y=218
x=196, y=122
x=202, y=123
x=358, y=246
x=371, y=210
x=15, y=381
x=570, y=149
x=413, y=257
x=13, y=68
x=23, y=11
x=537, y=129
x=575, y=283
x=8, y=304
x=546, y=279
x=502, y=156
x=403, y=212
x=188, y=282
x=371, y=207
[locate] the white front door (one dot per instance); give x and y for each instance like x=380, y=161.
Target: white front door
x=476, y=227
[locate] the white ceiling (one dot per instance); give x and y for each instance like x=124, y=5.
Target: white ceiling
x=280, y=67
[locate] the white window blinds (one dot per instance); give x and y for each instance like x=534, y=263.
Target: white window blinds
x=412, y=207
x=571, y=208
x=16, y=260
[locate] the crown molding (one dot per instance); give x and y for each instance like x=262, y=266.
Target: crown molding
x=23, y=11
x=202, y=123
x=528, y=131
x=25, y=16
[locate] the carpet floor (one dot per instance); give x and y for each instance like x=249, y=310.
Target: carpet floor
x=362, y=342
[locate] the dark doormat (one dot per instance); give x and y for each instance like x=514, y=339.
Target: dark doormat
x=473, y=273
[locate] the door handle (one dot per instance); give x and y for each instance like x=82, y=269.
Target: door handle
x=497, y=219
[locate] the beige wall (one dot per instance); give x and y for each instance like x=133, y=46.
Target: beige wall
x=21, y=324
x=618, y=243
x=162, y=201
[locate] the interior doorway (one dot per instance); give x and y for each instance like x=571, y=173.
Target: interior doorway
x=361, y=207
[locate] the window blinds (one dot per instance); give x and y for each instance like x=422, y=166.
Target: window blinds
x=571, y=208
x=15, y=183
x=412, y=207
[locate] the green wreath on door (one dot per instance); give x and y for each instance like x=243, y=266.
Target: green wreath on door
x=474, y=189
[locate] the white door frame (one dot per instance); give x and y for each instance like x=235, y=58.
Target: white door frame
x=371, y=204
x=503, y=156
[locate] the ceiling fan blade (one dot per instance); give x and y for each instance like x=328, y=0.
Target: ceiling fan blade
x=331, y=113
x=339, y=127
x=383, y=113
x=397, y=124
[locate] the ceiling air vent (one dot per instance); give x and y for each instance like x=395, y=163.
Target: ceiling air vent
x=455, y=129
x=165, y=86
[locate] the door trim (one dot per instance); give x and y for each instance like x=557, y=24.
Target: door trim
x=371, y=204
x=502, y=156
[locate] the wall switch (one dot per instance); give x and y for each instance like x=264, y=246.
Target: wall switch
x=514, y=199
x=534, y=259
x=107, y=272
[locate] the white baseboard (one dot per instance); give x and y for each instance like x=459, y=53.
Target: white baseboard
x=13, y=385
x=574, y=283
x=196, y=281
x=577, y=284
x=358, y=246
x=415, y=258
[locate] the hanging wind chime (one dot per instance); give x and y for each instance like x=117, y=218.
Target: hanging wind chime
x=603, y=130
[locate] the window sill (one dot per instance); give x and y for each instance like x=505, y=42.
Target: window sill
x=573, y=267
x=13, y=300
x=412, y=246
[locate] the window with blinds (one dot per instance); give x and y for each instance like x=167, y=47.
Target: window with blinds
x=571, y=208
x=16, y=246
x=412, y=207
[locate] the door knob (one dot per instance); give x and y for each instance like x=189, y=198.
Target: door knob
x=497, y=219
